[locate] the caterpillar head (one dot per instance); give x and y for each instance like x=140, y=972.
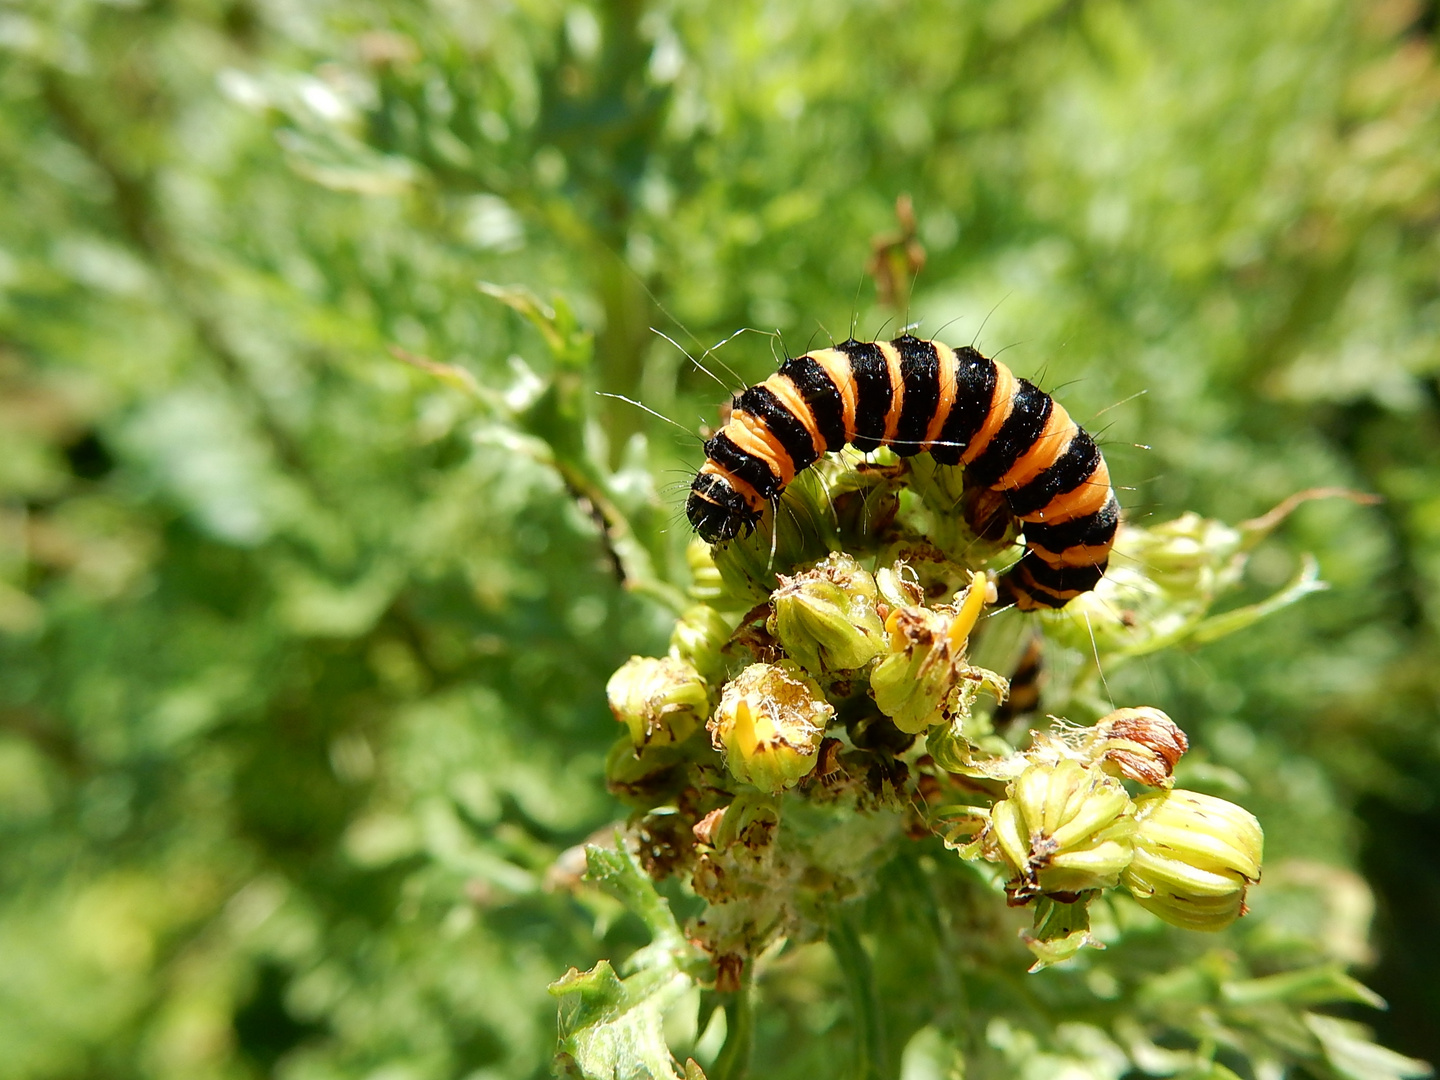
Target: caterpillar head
x=717, y=511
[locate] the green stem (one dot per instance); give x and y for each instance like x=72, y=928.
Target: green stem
x=733, y=1061
x=859, y=976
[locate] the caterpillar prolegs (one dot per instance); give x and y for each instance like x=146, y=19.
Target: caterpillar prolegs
x=916, y=396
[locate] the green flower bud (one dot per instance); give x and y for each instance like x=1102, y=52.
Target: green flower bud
x=748, y=565
x=1187, y=554
x=749, y=821
x=1195, y=855
x=769, y=725
x=926, y=662
x=698, y=639
x=1062, y=829
x=825, y=617
x=661, y=701
x=1163, y=580
x=643, y=776
x=1139, y=744
x=705, y=580
x=899, y=585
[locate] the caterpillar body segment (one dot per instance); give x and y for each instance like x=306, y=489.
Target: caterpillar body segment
x=915, y=396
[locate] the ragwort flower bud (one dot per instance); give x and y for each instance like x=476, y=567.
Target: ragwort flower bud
x=1139, y=744
x=660, y=700
x=1187, y=554
x=699, y=637
x=1195, y=856
x=769, y=725
x=927, y=658
x=825, y=617
x=1063, y=829
x=750, y=821
x=642, y=776
x=706, y=582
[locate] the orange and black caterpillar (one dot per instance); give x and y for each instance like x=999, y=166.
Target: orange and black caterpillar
x=912, y=396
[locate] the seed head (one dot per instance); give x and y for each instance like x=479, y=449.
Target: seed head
x=1139, y=744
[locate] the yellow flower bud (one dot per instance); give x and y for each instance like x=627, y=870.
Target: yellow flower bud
x=825, y=617
x=1195, y=856
x=769, y=725
x=1062, y=829
x=659, y=700
x=926, y=662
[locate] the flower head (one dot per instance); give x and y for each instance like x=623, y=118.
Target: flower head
x=825, y=617
x=926, y=661
x=769, y=725
x=659, y=700
x=1195, y=857
x=1062, y=829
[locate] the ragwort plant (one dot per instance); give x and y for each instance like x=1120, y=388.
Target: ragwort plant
x=206, y=742
x=826, y=758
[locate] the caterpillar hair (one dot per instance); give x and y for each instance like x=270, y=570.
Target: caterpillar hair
x=916, y=396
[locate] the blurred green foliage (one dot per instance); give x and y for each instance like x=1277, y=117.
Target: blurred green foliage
x=302, y=648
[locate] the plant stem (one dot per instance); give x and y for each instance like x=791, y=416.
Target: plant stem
x=869, y=1029
x=733, y=1061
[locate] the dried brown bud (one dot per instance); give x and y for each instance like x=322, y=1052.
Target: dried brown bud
x=705, y=828
x=1139, y=744
x=728, y=971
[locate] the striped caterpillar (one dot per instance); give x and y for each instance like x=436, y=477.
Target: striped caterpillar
x=913, y=396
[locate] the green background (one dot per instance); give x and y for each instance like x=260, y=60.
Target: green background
x=302, y=651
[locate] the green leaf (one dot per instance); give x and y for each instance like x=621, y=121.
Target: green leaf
x=1350, y=1051
x=570, y=345
x=1060, y=931
x=1323, y=984
x=1307, y=581
x=613, y=1028
x=618, y=874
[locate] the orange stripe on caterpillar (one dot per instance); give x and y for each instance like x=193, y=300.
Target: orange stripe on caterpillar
x=914, y=395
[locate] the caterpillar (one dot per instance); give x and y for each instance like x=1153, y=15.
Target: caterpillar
x=1024, y=696
x=913, y=396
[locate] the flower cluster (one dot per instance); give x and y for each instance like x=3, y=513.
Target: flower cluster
x=1067, y=826
x=823, y=702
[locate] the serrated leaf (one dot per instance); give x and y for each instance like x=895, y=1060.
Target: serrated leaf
x=619, y=875
x=613, y=1029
